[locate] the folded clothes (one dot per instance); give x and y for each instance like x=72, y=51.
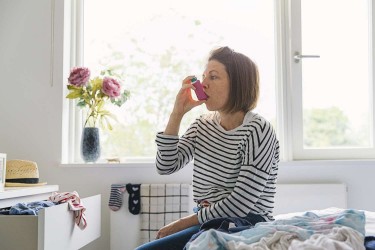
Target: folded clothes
x=31, y=208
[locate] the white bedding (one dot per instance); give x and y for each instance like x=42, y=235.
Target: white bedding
x=331, y=228
x=370, y=217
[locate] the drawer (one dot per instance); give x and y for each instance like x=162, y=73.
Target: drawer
x=14, y=195
x=53, y=229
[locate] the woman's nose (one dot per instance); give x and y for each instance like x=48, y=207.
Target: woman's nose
x=204, y=83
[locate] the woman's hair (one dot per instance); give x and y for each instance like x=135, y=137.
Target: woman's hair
x=243, y=78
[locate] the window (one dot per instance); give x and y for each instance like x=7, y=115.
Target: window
x=154, y=48
x=316, y=73
x=332, y=83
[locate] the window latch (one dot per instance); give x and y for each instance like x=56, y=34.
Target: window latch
x=297, y=56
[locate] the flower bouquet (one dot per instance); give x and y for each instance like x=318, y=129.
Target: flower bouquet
x=94, y=93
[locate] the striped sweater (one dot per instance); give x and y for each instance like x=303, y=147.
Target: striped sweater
x=235, y=171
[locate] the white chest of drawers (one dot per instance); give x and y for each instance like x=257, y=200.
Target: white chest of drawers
x=54, y=227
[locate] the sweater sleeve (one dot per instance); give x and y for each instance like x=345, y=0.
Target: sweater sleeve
x=174, y=153
x=257, y=172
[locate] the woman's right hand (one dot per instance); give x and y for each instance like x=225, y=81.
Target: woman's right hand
x=184, y=101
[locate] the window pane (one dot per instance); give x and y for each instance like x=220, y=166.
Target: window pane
x=158, y=46
x=336, y=87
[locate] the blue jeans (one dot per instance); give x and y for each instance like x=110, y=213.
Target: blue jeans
x=178, y=240
x=174, y=241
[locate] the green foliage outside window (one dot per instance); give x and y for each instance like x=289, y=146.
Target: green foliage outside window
x=330, y=127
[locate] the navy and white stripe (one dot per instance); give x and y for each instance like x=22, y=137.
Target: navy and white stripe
x=236, y=171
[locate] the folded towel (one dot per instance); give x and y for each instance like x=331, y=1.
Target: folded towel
x=162, y=204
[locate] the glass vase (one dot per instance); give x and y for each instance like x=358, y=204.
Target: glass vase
x=90, y=144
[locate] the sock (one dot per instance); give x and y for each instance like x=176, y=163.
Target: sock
x=115, y=198
x=134, y=191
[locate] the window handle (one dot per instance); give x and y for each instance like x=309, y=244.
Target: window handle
x=297, y=56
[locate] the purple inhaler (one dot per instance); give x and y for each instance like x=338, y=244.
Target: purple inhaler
x=198, y=89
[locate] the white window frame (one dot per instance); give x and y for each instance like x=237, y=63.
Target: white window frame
x=283, y=86
x=73, y=42
x=293, y=44
x=288, y=94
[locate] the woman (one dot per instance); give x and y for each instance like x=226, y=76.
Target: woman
x=235, y=151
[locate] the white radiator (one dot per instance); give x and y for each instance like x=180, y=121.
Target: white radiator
x=301, y=197
x=128, y=230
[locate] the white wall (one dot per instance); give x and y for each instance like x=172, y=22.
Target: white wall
x=31, y=123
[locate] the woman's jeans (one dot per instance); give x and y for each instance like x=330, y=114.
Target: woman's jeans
x=178, y=240
x=174, y=241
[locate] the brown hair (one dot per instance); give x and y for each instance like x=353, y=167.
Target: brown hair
x=243, y=78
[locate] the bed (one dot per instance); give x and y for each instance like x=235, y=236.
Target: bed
x=307, y=216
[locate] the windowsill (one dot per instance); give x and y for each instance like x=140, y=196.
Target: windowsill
x=106, y=165
x=129, y=162
x=150, y=162
x=328, y=162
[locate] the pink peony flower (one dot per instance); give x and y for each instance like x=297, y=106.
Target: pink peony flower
x=111, y=87
x=79, y=76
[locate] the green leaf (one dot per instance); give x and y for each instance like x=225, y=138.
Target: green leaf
x=104, y=112
x=72, y=87
x=81, y=103
x=74, y=94
x=122, y=99
x=100, y=104
x=109, y=126
x=96, y=84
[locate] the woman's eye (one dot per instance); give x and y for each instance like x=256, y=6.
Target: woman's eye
x=213, y=77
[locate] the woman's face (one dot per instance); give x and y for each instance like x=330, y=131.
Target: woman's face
x=215, y=82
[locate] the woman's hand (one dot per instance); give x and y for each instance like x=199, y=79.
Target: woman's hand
x=178, y=226
x=169, y=229
x=184, y=101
